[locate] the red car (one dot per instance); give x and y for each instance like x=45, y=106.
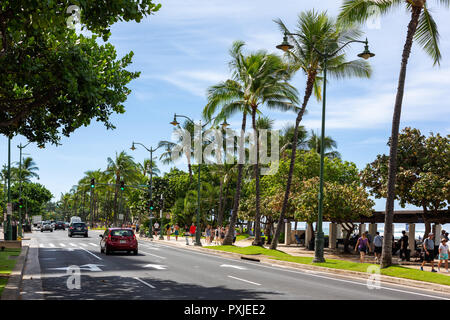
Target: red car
x=118, y=239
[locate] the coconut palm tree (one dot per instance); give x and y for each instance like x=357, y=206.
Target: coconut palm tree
x=147, y=167
x=28, y=170
x=167, y=157
x=317, y=31
x=122, y=168
x=287, y=137
x=258, y=79
x=315, y=143
x=423, y=29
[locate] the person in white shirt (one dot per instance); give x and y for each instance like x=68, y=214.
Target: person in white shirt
x=377, y=246
x=443, y=254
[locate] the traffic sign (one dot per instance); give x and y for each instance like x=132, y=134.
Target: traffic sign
x=9, y=208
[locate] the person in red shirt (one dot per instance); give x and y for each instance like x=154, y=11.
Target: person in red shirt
x=192, y=231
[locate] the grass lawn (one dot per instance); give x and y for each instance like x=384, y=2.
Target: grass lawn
x=242, y=236
x=394, y=271
x=6, y=265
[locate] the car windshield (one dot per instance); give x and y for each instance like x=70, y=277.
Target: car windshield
x=122, y=233
x=77, y=225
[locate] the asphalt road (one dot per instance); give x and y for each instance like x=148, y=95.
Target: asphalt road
x=165, y=272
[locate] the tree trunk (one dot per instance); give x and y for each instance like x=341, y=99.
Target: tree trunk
x=308, y=92
x=386, y=256
x=257, y=241
x=115, y=201
x=221, y=205
x=229, y=235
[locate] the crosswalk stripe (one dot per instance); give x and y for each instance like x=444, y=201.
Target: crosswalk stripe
x=62, y=244
x=51, y=245
x=93, y=244
x=41, y=245
x=84, y=244
x=73, y=245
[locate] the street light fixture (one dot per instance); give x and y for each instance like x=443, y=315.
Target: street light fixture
x=151, y=150
x=224, y=126
x=366, y=54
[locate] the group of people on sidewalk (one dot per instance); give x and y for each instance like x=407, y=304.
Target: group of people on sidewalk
x=212, y=234
x=364, y=244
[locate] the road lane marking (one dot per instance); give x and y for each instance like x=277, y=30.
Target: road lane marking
x=93, y=244
x=73, y=245
x=51, y=245
x=62, y=244
x=150, y=254
x=41, y=245
x=232, y=266
x=156, y=266
x=147, y=284
x=91, y=253
x=84, y=244
x=244, y=280
x=316, y=275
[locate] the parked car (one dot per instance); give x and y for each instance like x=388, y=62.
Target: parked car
x=60, y=225
x=78, y=228
x=46, y=226
x=118, y=239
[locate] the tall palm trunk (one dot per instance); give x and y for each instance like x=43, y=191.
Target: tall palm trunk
x=257, y=241
x=386, y=257
x=221, y=205
x=115, y=200
x=308, y=92
x=230, y=234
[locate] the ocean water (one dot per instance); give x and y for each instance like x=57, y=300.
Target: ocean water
x=398, y=228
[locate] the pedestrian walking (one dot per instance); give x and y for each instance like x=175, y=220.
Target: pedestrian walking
x=234, y=235
x=222, y=235
x=177, y=231
x=186, y=233
x=217, y=235
x=168, y=231
x=404, y=242
x=156, y=226
x=362, y=245
x=192, y=231
x=428, y=252
x=208, y=233
x=377, y=246
x=443, y=254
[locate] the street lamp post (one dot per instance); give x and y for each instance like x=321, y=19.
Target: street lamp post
x=8, y=212
x=151, y=150
x=366, y=54
x=175, y=123
x=20, y=186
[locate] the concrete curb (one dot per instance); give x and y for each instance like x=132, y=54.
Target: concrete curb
x=346, y=273
x=12, y=289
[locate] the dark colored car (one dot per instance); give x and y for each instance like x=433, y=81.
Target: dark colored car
x=78, y=228
x=60, y=225
x=118, y=239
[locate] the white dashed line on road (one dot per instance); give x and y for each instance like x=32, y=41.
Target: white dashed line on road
x=93, y=244
x=84, y=244
x=73, y=245
x=244, y=280
x=147, y=284
x=150, y=254
x=62, y=244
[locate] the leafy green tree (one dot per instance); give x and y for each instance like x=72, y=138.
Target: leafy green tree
x=35, y=196
x=52, y=80
x=422, y=170
x=422, y=28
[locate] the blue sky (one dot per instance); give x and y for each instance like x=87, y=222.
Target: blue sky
x=183, y=49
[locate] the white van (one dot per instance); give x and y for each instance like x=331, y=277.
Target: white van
x=75, y=219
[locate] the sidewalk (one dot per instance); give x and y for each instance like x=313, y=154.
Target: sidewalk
x=298, y=251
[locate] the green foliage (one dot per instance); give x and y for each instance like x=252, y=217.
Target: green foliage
x=423, y=171
x=53, y=81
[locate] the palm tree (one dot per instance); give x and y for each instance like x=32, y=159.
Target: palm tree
x=315, y=143
x=287, y=137
x=259, y=79
x=318, y=31
x=167, y=157
x=28, y=170
x=423, y=29
x=147, y=167
x=122, y=168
